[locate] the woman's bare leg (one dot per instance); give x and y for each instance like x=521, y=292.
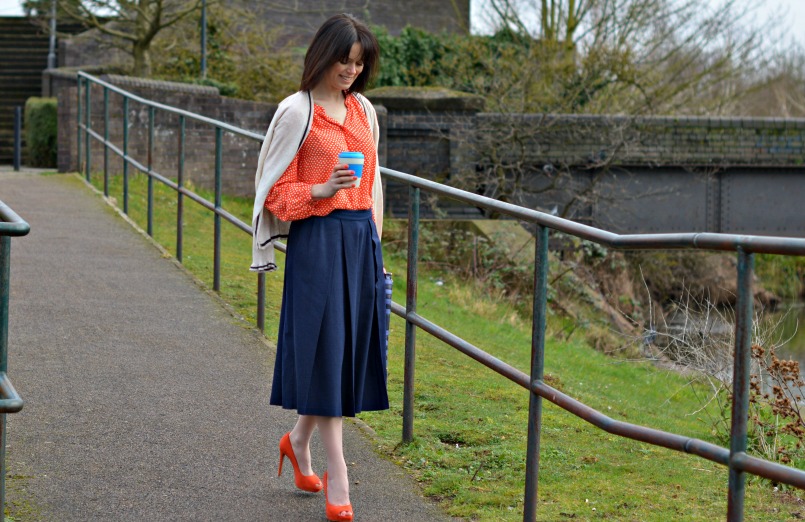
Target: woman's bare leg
x=300, y=440
x=330, y=430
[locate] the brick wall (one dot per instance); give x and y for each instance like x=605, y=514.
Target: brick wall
x=239, y=153
x=703, y=169
x=657, y=174
x=430, y=134
x=580, y=140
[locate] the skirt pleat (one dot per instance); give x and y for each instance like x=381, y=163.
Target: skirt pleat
x=331, y=350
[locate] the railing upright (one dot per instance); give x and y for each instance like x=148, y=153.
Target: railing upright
x=17, y=138
x=5, y=260
x=179, y=194
x=150, y=171
x=740, y=386
x=537, y=370
x=10, y=401
x=5, y=275
x=261, y=302
x=125, y=155
x=106, y=139
x=87, y=127
x=216, y=283
x=78, y=121
x=410, y=308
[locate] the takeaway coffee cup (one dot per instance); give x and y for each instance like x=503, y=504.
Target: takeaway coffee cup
x=355, y=162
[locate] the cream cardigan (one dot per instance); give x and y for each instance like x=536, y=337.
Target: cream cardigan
x=287, y=132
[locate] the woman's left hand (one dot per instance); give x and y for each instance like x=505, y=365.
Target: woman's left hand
x=340, y=178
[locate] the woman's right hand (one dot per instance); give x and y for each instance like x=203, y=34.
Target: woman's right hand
x=340, y=178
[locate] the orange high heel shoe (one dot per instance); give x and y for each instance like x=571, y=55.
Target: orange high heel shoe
x=311, y=483
x=334, y=512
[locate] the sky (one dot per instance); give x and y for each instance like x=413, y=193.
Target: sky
x=793, y=22
x=790, y=14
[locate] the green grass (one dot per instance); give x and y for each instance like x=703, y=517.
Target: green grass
x=471, y=424
x=782, y=275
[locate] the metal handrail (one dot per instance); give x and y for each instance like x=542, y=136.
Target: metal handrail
x=173, y=110
x=745, y=246
x=11, y=225
x=696, y=240
x=11, y=402
x=85, y=129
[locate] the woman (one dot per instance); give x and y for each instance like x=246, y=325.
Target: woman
x=331, y=359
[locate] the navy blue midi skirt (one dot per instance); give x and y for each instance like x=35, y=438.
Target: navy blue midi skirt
x=331, y=352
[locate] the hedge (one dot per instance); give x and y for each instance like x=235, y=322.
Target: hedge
x=40, y=132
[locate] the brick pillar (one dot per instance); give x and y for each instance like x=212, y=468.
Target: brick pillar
x=383, y=123
x=66, y=136
x=430, y=133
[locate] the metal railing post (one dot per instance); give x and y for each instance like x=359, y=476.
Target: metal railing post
x=410, y=308
x=106, y=141
x=126, y=155
x=11, y=402
x=150, y=171
x=216, y=282
x=180, y=195
x=87, y=127
x=78, y=125
x=537, y=370
x=17, y=138
x=740, y=385
x=5, y=275
x=261, y=301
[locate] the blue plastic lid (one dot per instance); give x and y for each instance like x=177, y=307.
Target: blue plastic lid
x=351, y=155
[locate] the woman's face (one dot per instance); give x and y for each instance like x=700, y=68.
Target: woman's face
x=341, y=75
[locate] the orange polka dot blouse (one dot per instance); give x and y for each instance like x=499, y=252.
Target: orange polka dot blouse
x=290, y=200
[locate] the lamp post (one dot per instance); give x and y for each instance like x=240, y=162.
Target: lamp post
x=203, y=39
x=52, y=51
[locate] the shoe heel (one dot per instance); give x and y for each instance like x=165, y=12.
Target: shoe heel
x=310, y=483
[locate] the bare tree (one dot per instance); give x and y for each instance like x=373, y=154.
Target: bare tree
x=780, y=88
x=628, y=58
x=255, y=59
x=129, y=24
x=637, y=56
x=562, y=164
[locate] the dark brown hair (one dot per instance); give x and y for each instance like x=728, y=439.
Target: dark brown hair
x=332, y=43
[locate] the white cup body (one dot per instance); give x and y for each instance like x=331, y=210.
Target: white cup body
x=356, y=165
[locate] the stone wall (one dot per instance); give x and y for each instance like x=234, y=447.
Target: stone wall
x=429, y=134
x=648, y=175
x=239, y=153
x=578, y=140
x=634, y=175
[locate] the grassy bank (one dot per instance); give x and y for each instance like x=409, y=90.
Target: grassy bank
x=470, y=424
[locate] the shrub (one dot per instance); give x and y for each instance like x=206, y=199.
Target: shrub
x=489, y=66
x=244, y=57
x=40, y=132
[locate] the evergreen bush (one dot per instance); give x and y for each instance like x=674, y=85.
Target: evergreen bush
x=40, y=132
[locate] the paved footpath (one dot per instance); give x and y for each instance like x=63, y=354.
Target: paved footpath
x=144, y=398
